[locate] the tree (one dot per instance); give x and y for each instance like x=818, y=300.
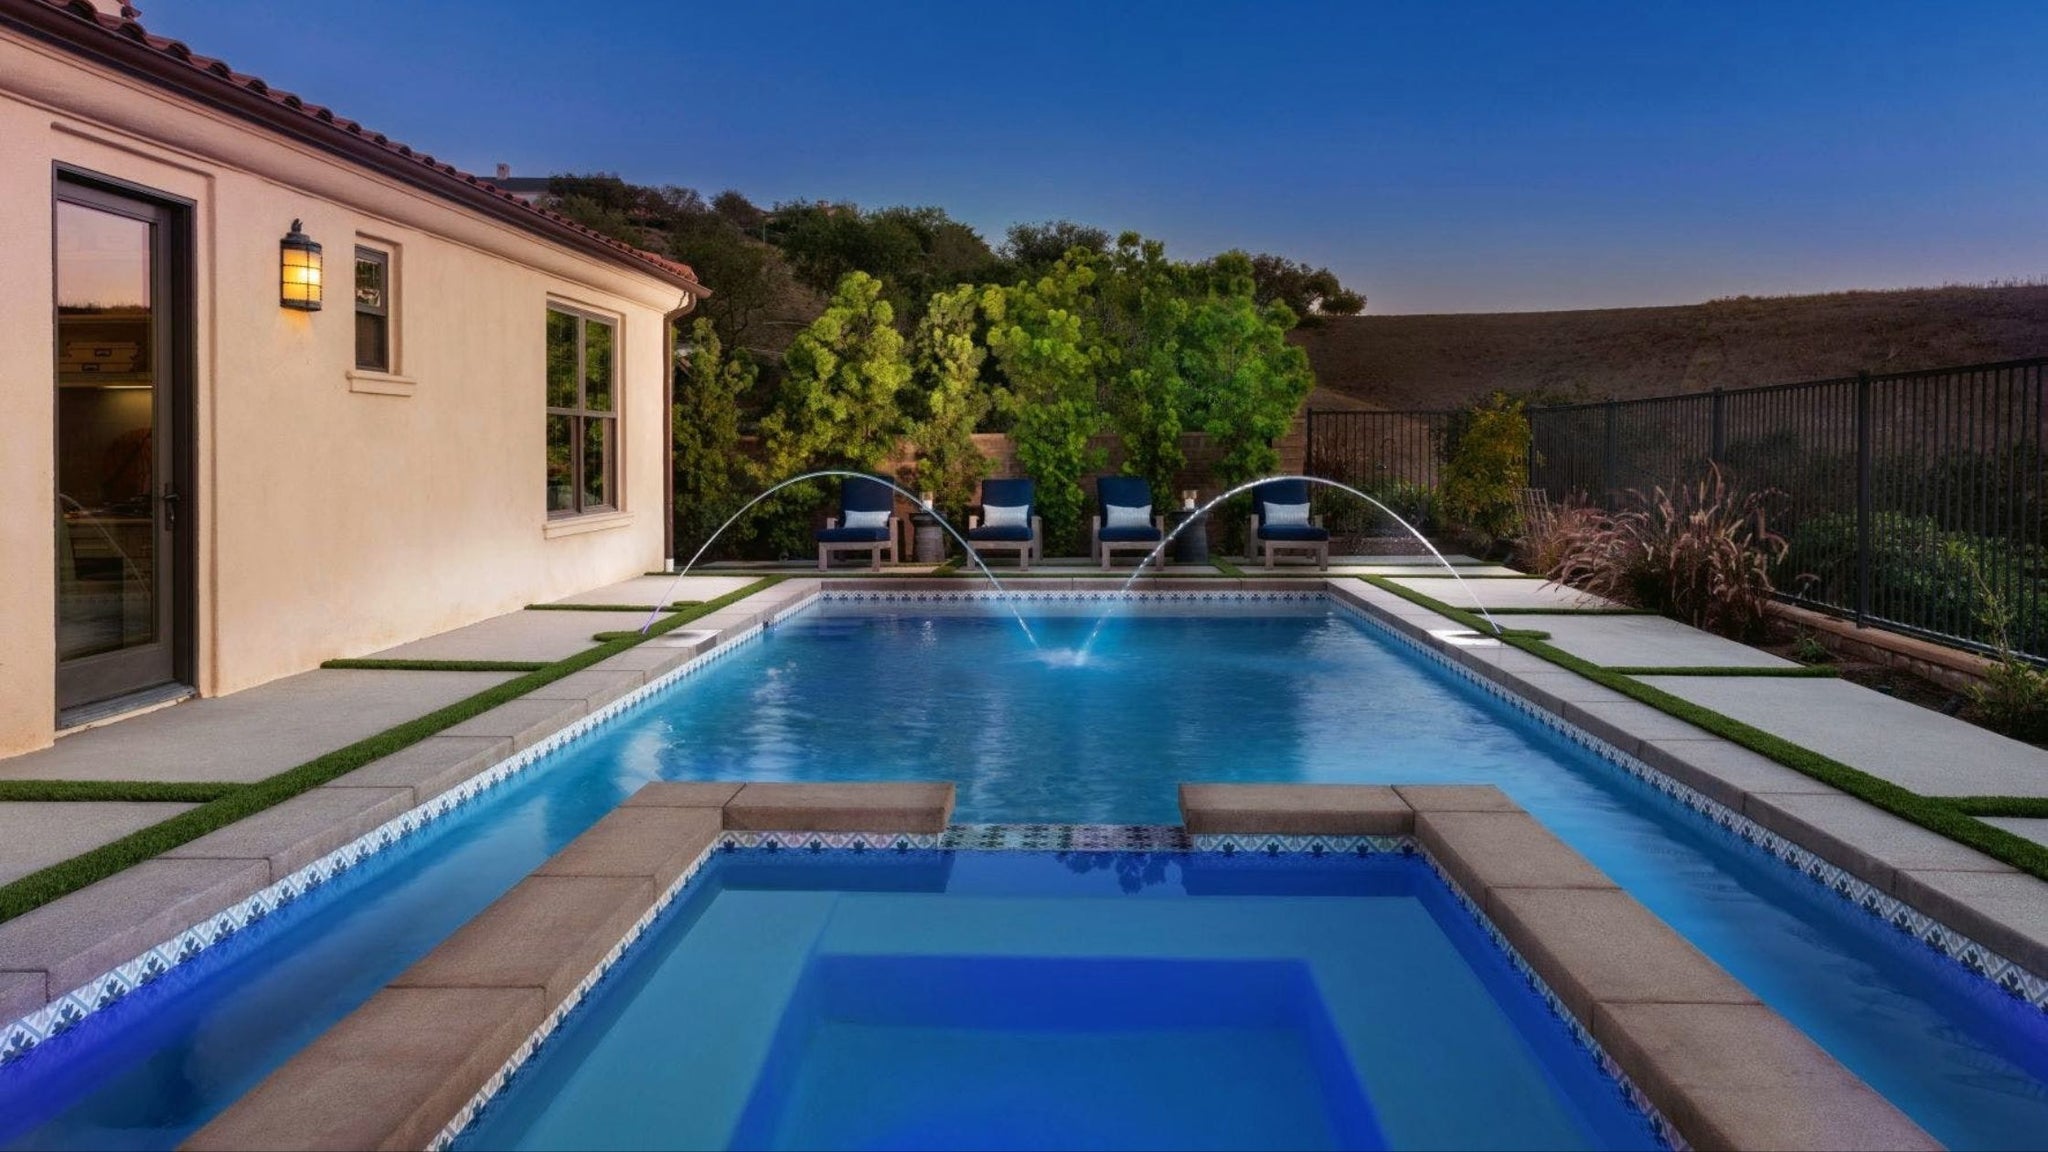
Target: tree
x=1032, y=249
x=709, y=467
x=1487, y=469
x=914, y=252
x=952, y=400
x=1142, y=301
x=1245, y=381
x=841, y=403
x=1049, y=346
x=1307, y=291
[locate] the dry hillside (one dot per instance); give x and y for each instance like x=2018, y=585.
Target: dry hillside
x=1401, y=362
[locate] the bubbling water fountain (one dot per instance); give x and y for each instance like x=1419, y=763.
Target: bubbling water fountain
x=1202, y=513
x=1008, y=599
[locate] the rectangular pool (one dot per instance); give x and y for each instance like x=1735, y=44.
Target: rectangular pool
x=1009, y=999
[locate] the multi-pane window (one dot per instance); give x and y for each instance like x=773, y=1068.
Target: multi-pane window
x=373, y=310
x=583, y=427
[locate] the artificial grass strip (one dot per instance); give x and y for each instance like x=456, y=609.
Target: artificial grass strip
x=1527, y=611
x=1471, y=620
x=1932, y=814
x=374, y=665
x=2025, y=807
x=1798, y=672
x=106, y=791
x=61, y=879
x=1225, y=567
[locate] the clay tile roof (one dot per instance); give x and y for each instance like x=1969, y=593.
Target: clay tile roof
x=78, y=25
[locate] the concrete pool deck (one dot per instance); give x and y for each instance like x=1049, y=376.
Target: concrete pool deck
x=1724, y=1069
x=62, y=945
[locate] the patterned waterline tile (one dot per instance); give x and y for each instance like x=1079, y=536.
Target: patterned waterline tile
x=24, y=1035
x=1057, y=838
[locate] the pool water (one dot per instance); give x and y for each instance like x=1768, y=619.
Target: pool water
x=1270, y=693
x=1037, y=1000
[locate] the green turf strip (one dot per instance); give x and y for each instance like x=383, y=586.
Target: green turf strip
x=1523, y=611
x=1469, y=619
x=609, y=607
x=2035, y=807
x=375, y=665
x=39, y=888
x=1935, y=815
x=1797, y=672
x=1225, y=566
x=89, y=791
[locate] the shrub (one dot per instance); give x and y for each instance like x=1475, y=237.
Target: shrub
x=2013, y=698
x=952, y=398
x=1542, y=547
x=710, y=470
x=1701, y=553
x=1487, y=469
x=1921, y=575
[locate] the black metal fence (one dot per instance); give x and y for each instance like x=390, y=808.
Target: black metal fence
x=1914, y=500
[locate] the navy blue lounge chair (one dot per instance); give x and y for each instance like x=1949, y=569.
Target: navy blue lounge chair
x=1007, y=520
x=866, y=523
x=1124, y=519
x=1280, y=521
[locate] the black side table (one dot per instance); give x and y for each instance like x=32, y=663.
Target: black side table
x=1192, y=545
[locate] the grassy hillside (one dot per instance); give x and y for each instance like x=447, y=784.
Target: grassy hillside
x=1400, y=362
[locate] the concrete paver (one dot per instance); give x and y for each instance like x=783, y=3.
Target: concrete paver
x=301, y=830
x=522, y=635
x=1871, y=843
x=1647, y=642
x=660, y=590
x=1504, y=592
x=109, y=923
x=35, y=835
x=1911, y=746
x=1726, y=772
x=252, y=734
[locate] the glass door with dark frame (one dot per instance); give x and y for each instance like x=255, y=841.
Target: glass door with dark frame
x=120, y=448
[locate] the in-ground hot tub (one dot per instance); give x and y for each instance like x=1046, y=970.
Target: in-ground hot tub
x=1020, y=999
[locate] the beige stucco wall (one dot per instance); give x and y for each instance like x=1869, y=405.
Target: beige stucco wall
x=336, y=517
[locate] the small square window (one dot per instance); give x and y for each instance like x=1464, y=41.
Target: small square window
x=373, y=310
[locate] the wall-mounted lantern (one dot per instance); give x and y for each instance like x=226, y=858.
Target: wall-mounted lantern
x=299, y=271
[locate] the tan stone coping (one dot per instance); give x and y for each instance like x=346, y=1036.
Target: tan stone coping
x=394, y=1072
x=1725, y=1069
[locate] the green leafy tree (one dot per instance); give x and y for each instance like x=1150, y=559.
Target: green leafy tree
x=951, y=400
x=841, y=403
x=1049, y=346
x=1143, y=304
x=710, y=469
x=1487, y=468
x=1031, y=250
x=1245, y=382
x=1309, y=292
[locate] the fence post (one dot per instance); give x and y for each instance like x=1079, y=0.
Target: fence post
x=1717, y=438
x=1607, y=459
x=1308, y=455
x=1863, y=501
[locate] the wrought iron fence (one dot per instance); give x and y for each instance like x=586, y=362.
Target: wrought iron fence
x=1913, y=500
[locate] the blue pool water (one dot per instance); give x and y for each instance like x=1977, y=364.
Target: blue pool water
x=1039, y=1000
x=1310, y=694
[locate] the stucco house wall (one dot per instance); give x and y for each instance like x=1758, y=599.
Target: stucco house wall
x=338, y=512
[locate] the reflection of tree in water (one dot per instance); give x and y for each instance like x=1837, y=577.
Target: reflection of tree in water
x=1134, y=870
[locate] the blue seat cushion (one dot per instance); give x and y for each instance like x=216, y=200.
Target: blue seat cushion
x=1302, y=533
x=1009, y=532
x=1008, y=493
x=853, y=535
x=862, y=495
x=1146, y=534
x=1128, y=491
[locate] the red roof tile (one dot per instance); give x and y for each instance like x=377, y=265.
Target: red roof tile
x=77, y=24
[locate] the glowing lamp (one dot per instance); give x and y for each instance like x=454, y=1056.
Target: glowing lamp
x=299, y=271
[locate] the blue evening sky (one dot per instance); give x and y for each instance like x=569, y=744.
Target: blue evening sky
x=1440, y=156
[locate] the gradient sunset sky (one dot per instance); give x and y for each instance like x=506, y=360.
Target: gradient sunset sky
x=1439, y=156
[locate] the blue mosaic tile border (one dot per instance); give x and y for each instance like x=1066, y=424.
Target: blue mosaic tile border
x=22, y=1036
x=1162, y=838
x=2007, y=974
x=1072, y=596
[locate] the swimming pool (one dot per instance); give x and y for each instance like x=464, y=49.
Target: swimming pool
x=1301, y=691
x=1062, y=1000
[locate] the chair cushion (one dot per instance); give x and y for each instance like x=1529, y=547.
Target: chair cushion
x=858, y=494
x=856, y=518
x=1146, y=534
x=1129, y=491
x=1304, y=533
x=853, y=535
x=1121, y=516
x=999, y=532
x=1006, y=516
x=1009, y=493
x=1286, y=515
x=1281, y=492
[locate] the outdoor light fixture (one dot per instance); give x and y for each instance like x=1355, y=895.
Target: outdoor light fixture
x=299, y=271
